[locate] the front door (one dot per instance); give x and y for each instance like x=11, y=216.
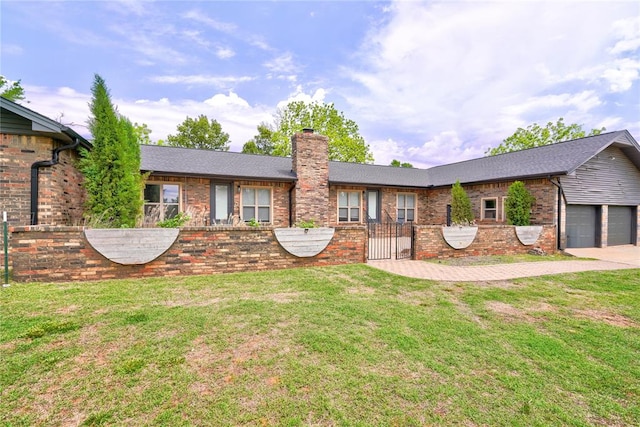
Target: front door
x=221, y=203
x=373, y=205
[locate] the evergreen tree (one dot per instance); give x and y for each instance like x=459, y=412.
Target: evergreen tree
x=518, y=204
x=461, y=212
x=112, y=168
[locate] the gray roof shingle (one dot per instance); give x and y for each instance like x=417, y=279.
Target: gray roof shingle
x=218, y=164
x=556, y=159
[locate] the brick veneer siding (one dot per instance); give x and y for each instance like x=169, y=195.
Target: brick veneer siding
x=388, y=202
x=544, y=211
x=490, y=240
x=310, y=163
x=48, y=254
x=61, y=195
x=196, y=197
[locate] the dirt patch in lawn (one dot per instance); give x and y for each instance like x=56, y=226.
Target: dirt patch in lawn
x=612, y=319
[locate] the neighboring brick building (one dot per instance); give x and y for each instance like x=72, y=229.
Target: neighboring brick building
x=39, y=181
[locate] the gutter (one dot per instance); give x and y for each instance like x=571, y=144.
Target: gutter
x=35, y=167
x=561, y=196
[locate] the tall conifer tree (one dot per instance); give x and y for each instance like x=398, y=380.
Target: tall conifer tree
x=112, y=168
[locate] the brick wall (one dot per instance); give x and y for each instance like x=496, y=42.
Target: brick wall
x=490, y=240
x=61, y=195
x=543, y=211
x=46, y=254
x=310, y=163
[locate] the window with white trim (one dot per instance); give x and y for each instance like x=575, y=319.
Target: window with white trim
x=256, y=204
x=349, y=206
x=490, y=209
x=406, y=210
x=161, y=201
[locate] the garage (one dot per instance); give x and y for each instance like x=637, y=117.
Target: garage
x=620, y=225
x=582, y=226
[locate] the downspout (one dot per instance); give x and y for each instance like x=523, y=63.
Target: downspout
x=293, y=186
x=35, y=174
x=560, y=197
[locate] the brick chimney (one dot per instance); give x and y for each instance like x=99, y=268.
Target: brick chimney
x=310, y=157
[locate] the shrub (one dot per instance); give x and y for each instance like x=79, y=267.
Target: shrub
x=461, y=212
x=307, y=224
x=174, y=222
x=518, y=204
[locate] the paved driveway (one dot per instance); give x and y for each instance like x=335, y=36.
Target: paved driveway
x=611, y=258
x=626, y=254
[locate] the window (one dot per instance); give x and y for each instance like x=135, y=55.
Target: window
x=490, y=209
x=256, y=204
x=161, y=201
x=406, y=208
x=349, y=206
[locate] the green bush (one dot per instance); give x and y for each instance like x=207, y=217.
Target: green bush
x=307, y=224
x=518, y=204
x=461, y=212
x=175, y=222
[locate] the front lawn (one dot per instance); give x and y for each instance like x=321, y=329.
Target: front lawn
x=346, y=345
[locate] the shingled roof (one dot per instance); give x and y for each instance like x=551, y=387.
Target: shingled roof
x=556, y=159
x=214, y=164
x=551, y=160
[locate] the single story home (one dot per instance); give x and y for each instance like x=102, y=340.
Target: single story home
x=589, y=188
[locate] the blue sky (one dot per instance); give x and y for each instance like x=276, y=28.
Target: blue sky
x=427, y=82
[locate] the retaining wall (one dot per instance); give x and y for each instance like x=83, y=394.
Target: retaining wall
x=47, y=254
x=490, y=240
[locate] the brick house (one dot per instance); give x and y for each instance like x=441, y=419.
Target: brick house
x=39, y=182
x=589, y=188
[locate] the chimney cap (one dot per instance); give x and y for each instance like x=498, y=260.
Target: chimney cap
x=307, y=130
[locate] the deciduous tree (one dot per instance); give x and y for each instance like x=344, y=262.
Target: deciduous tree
x=397, y=164
x=13, y=92
x=345, y=142
x=200, y=133
x=535, y=136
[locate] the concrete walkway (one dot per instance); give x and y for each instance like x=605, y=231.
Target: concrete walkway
x=483, y=273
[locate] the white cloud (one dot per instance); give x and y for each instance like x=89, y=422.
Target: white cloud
x=481, y=67
x=318, y=96
x=225, y=53
x=628, y=30
x=622, y=74
x=198, y=16
x=445, y=147
x=583, y=101
x=11, y=49
x=200, y=79
x=162, y=116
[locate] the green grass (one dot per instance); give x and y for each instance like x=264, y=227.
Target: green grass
x=346, y=345
x=502, y=259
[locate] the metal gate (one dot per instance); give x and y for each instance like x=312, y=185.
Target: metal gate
x=390, y=240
